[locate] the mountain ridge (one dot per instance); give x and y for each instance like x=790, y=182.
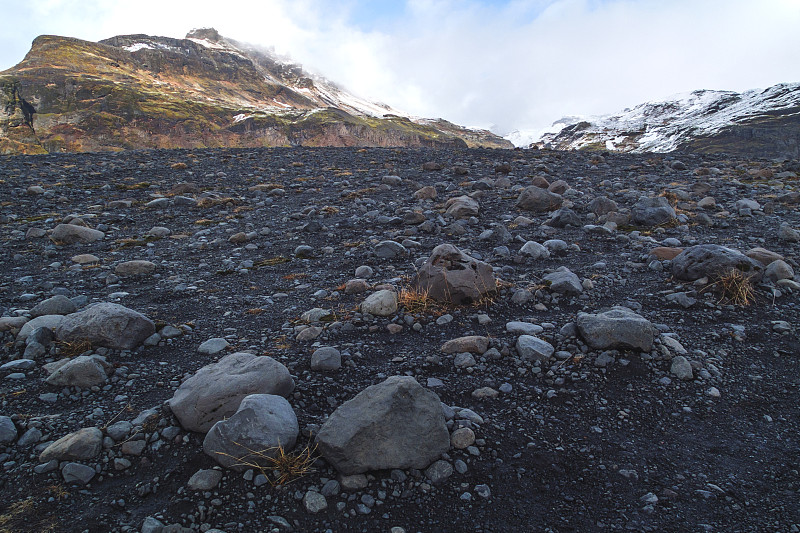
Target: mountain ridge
x=139, y=91
x=756, y=122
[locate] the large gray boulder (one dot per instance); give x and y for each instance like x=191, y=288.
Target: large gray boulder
x=538, y=200
x=216, y=390
x=711, y=260
x=106, y=324
x=82, y=445
x=449, y=275
x=70, y=234
x=261, y=424
x=652, y=211
x=617, y=328
x=84, y=371
x=394, y=424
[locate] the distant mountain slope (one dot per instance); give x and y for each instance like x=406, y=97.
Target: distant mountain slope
x=758, y=122
x=138, y=91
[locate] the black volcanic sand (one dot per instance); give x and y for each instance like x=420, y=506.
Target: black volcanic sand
x=570, y=446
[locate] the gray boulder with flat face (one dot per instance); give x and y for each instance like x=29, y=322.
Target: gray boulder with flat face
x=56, y=305
x=451, y=276
x=261, y=424
x=564, y=281
x=652, y=211
x=83, y=371
x=538, y=200
x=710, y=260
x=394, y=424
x=617, y=328
x=82, y=445
x=216, y=390
x=106, y=324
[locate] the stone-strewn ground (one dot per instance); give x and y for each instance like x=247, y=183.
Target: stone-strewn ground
x=688, y=423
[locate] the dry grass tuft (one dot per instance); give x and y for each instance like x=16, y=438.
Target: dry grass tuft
x=205, y=203
x=359, y=193
x=272, y=261
x=276, y=464
x=418, y=301
x=58, y=491
x=735, y=287
x=24, y=515
x=74, y=348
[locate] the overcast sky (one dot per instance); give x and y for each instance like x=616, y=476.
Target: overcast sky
x=505, y=64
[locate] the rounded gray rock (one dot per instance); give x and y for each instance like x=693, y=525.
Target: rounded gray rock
x=710, y=260
x=216, y=390
x=326, y=359
x=81, y=445
x=262, y=423
x=56, y=305
x=617, y=328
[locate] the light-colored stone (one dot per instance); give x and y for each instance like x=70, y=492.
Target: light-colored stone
x=472, y=343
x=394, y=424
x=462, y=207
x=652, y=211
x=534, y=250
x=8, y=431
x=71, y=234
x=261, y=424
x=538, y=200
x=82, y=445
x=55, y=305
x=711, y=260
x=617, y=328
x=215, y=391
x=681, y=368
x=83, y=371
x=532, y=348
x=380, y=303
x=50, y=322
x=213, y=346
x=204, y=480
x=106, y=324
x=326, y=359
x=135, y=268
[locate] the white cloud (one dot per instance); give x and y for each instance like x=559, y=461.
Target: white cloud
x=520, y=64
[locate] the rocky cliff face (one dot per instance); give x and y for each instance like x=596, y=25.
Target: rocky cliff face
x=137, y=91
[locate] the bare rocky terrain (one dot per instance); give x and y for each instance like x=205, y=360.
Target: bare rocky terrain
x=600, y=379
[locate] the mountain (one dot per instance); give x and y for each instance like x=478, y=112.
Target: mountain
x=762, y=123
x=138, y=91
